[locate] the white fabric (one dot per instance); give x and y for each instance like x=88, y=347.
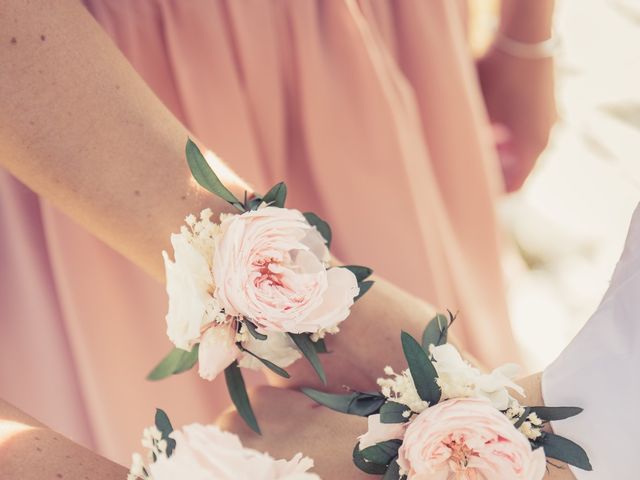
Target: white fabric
x=599, y=371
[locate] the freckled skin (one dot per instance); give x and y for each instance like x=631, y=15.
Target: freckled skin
x=39, y=453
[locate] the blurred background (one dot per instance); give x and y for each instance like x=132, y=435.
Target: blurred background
x=569, y=222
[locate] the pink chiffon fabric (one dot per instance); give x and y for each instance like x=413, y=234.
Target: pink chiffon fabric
x=370, y=111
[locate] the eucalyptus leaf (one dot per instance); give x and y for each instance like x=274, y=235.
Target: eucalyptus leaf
x=565, y=450
x=239, y=397
x=308, y=349
x=436, y=332
x=322, y=226
x=253, y=203
x=551, y=414
x=276, y=196
x=392, y=412
x=176, y=361
x=361, y=273
x=364, y=465
x=422, y=370
x=357, y=403
x=321, y=346
x=364, y=288
x=393, y=471
x=267, y=363
x=382, y=453
x=163, y=424
x=522, y=418
x=206, y=177
x=253, y=330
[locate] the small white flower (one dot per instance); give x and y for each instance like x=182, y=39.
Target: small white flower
x=190, y=283
x=458, y=379
x=401, y=389
x=530, y=431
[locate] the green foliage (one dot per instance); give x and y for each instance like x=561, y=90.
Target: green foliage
x=177, y=361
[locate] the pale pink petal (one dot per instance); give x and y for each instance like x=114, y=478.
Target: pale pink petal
x=380, y=432
x=217, y=351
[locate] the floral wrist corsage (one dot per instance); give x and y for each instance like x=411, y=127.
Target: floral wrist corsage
x=252, y=290
x=442, y=418
x=206, y=452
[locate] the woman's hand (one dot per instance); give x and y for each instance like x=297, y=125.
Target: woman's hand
x=519, y=92
x=292, y=423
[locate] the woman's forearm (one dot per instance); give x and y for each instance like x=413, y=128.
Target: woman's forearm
x=527, y=21
x=82, y=129
x=30, y=451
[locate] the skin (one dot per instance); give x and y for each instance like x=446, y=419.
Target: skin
x=31, y=451
x=528, y=116
x=71, y=107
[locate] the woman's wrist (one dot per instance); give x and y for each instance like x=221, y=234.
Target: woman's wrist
x=527, y=21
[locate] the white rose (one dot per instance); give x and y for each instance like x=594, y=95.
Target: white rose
x=458, y=379
x=189, y=286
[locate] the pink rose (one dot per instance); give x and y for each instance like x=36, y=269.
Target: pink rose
x=204, y=452
x=467, y=439
x=269, y=266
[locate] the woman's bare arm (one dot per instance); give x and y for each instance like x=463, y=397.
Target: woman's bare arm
x=82, y=129
x=30, y=451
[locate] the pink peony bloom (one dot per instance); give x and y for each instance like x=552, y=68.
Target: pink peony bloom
x=204, y=452
x=269, y=266
x=467, y=439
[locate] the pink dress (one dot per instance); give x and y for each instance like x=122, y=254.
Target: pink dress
x=369, y=110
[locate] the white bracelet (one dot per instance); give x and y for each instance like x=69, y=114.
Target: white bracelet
x=536, y=50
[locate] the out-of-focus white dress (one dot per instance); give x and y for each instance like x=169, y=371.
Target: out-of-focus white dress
x=600, y=371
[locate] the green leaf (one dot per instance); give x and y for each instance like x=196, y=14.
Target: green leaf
x=364, y=288
x=565, y=450
x=206, y=177
x=522, y=418
x=276, y=196
x=361, y=273
x=253, y=330
x=422, y=370
x=382, y=453
x=177, y=361
x=555, y=413
x=239, y=397
x=163, y=424
x=393, y=472
x=306, y=346
x=391, y=412
x=362, y=404
x=253, y=204
x=321, y=346
x=267, y=363
x=436, y=332
x=322, y=226
x=364, y=465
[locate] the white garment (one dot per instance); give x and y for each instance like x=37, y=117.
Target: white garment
x=599, y=371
